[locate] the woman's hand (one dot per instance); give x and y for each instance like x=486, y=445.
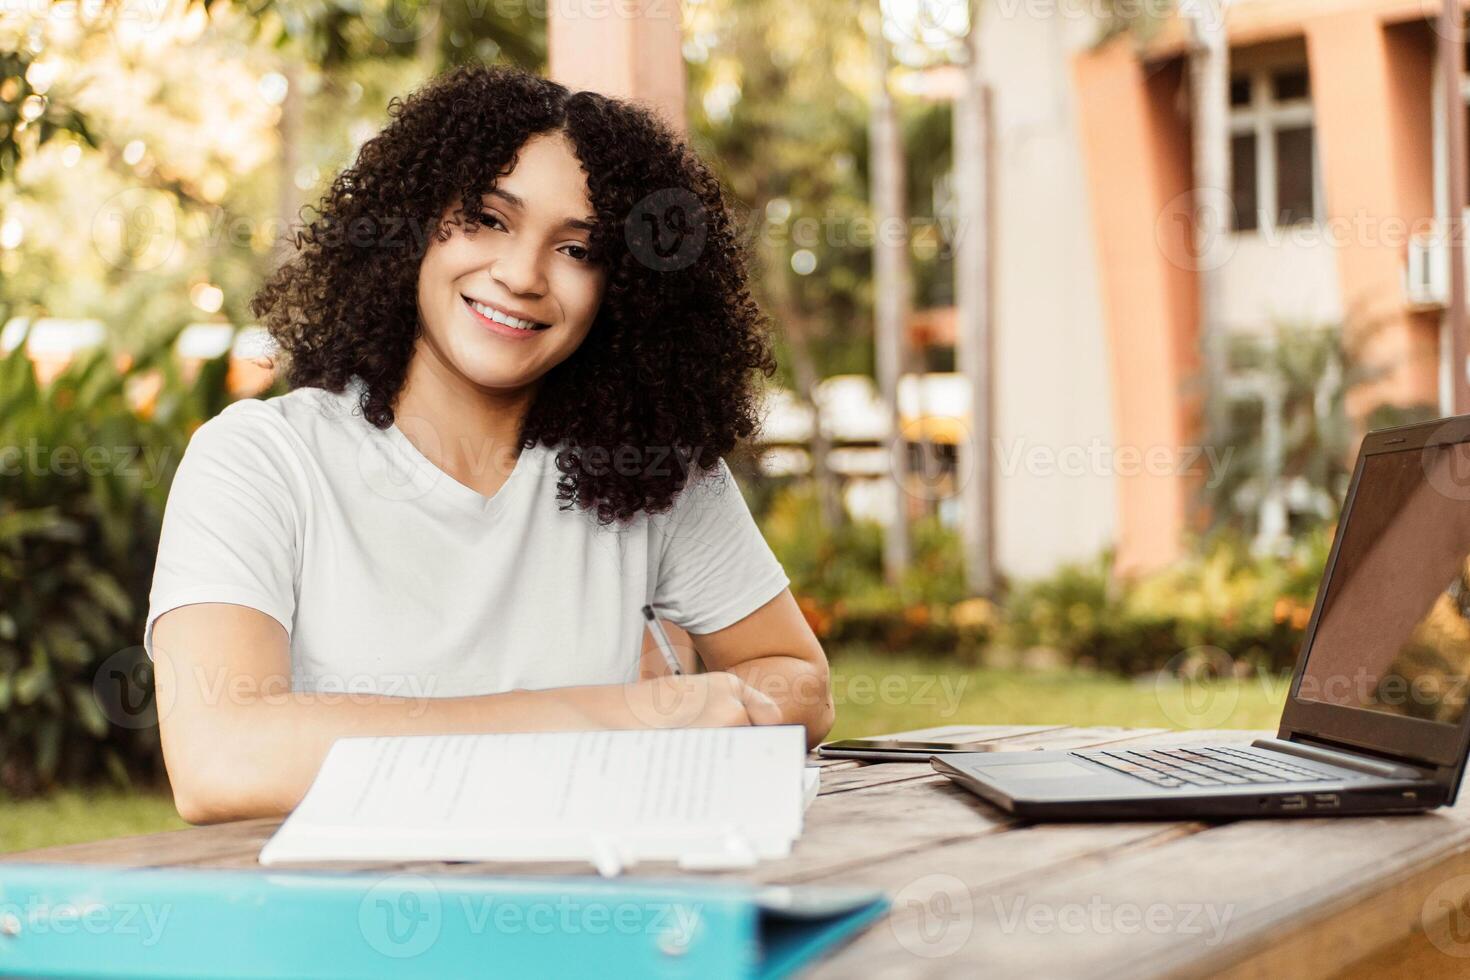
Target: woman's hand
x=711, y=700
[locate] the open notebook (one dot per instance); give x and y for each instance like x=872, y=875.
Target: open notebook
x=704, y=797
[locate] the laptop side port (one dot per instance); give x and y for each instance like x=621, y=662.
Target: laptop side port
x=1294, y=802
x=1325, y=801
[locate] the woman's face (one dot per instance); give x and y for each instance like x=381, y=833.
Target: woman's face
x=526, y=262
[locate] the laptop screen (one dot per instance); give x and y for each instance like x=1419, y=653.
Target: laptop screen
x=1393, y=634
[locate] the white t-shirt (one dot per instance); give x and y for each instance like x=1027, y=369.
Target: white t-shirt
x=392, y=577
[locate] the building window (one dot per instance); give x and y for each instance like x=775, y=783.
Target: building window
x=1274, y=173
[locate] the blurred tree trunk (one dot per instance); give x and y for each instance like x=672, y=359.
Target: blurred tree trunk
x=430, y=44
x=798, y=326
x=288, y=129
x=1209, y=77
x=973, y=282
x=891, y=286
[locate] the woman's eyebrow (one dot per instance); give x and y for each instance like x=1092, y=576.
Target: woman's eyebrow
x=581, y=224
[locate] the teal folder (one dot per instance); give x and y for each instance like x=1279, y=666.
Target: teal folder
x=63, y=920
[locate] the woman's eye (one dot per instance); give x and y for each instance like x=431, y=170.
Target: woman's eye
x=579, y=253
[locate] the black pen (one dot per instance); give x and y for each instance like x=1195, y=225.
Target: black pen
x=662, y=639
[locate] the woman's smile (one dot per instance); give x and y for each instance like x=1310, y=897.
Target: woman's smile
x=499, y=321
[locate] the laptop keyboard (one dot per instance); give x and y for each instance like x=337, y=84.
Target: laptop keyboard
x=1213, y=765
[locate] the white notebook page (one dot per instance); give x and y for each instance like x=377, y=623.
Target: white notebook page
x=707, y=797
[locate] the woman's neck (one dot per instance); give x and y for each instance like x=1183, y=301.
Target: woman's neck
x=468, y=431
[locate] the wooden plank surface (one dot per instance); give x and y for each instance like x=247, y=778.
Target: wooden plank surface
x=977, y=894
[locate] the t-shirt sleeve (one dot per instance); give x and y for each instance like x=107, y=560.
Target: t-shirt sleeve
x=716, y=568
x=231, y=523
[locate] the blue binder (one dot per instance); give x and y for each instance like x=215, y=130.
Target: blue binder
x=85, y=920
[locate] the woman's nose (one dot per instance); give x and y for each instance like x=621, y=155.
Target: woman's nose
x=519, y=271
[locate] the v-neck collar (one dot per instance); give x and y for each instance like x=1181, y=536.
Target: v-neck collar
x=425, y=478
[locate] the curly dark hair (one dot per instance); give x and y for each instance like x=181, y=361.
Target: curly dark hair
x=669, y=363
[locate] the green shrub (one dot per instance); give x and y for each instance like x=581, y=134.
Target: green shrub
x=837, y=576
x=83, y=481
x=823, y=562
x=1253, y=608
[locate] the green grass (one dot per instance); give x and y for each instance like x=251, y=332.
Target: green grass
x=873, y=693
x=72, y=816
x=876, y=694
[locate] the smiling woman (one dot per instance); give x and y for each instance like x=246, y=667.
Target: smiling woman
x=504, y=437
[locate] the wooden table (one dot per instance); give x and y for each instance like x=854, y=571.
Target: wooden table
x=975, y=894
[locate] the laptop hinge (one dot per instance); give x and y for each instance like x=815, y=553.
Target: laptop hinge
x=1347, y=758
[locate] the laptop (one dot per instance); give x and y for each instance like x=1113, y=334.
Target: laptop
x=1376, y=719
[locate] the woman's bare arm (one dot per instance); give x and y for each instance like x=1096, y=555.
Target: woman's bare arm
x=775, y=651
x=238, y=742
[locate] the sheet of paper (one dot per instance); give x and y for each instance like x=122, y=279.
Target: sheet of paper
x=691, y=795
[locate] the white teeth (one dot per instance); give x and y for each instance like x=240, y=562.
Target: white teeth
x=499, y=317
